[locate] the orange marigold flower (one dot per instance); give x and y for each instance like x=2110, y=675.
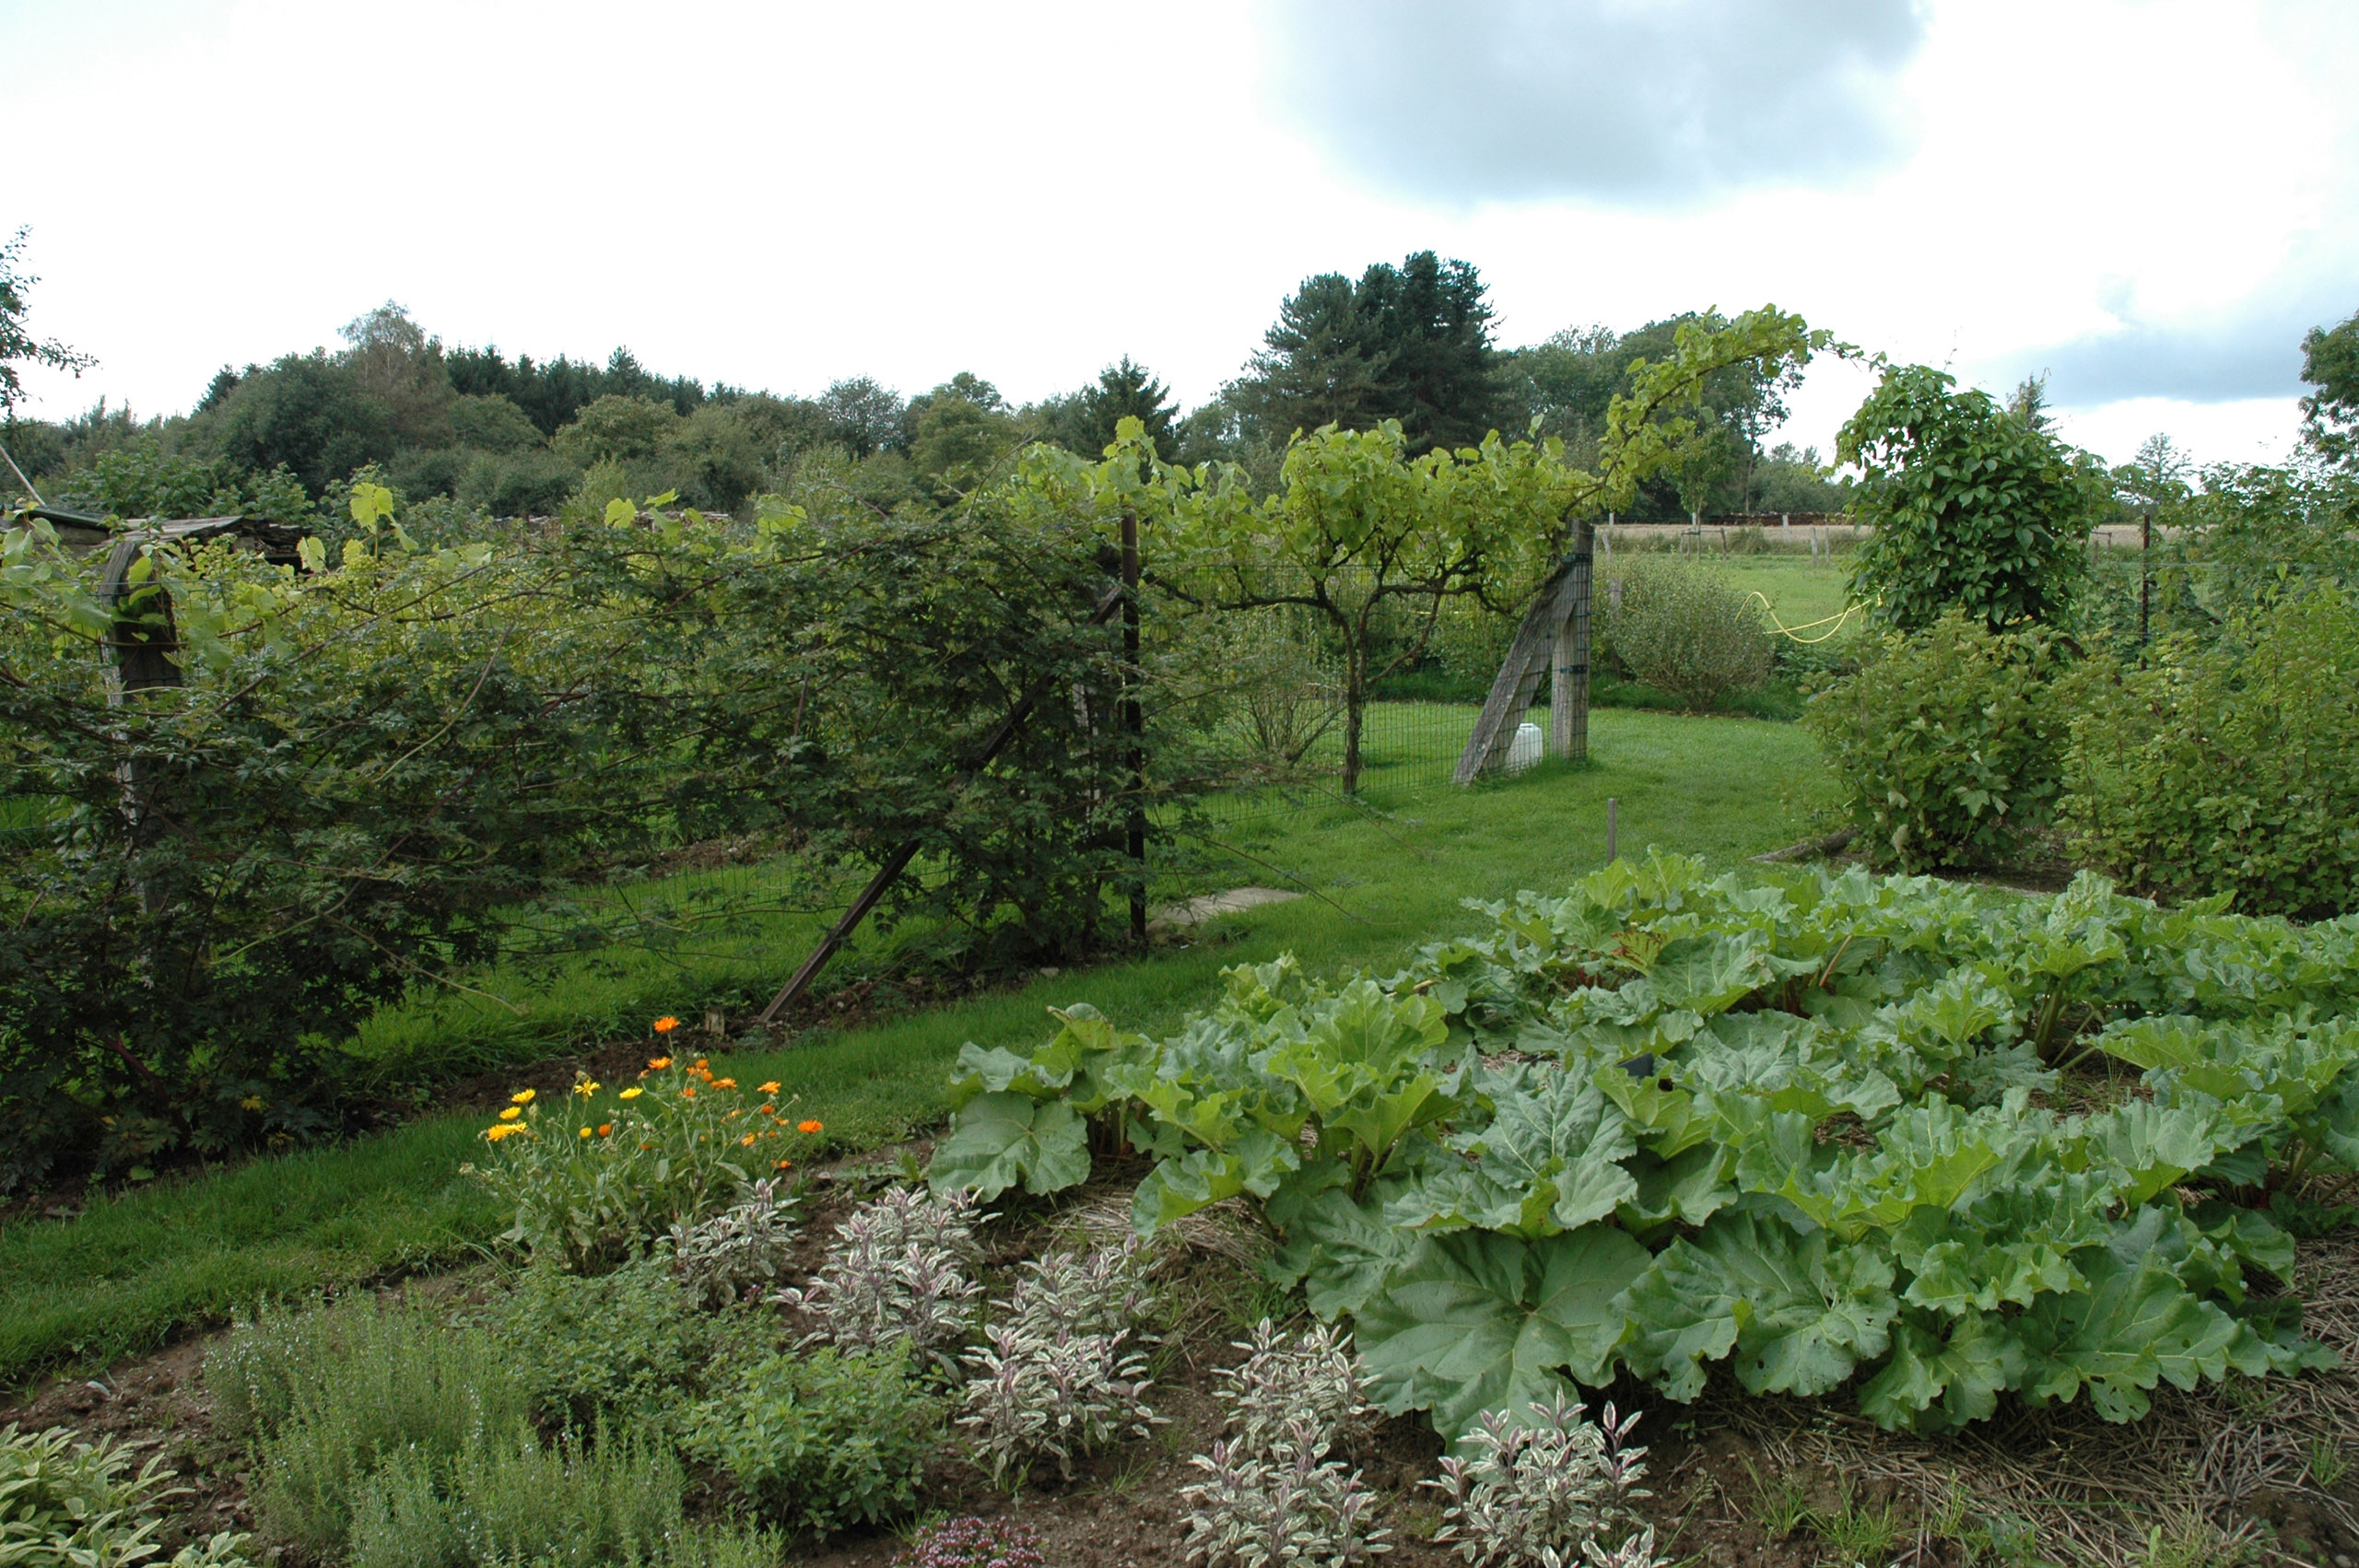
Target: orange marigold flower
x=703, y=1062
x=771, y=1087
x=806, y=1127
x=725, y=1083
x=606, y=1129
x=688, y=1091
x=783, y=1164
x=764, y=1110
x=510, y=1114
x=747, y=1140
x=666, y=1024
x=657, y=1064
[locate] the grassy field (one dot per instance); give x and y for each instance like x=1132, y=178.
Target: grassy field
x=133, y=1270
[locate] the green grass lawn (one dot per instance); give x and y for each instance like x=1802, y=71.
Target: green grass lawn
x=134, y=1270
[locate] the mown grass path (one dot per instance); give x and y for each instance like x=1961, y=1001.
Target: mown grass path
x=133, y=1272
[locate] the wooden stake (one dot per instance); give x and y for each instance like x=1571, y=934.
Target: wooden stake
x=1611, y=825
x=1134, y=726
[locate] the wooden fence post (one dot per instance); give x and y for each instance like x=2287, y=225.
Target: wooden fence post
x=1568, y=677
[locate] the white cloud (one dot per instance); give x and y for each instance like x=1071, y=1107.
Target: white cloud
x=779, y=194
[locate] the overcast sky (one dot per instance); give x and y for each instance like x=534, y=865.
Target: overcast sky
x=2150, y=199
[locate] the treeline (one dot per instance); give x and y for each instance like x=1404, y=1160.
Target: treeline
x=518, y=437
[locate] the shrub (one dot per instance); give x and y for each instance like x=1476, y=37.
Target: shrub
x=1687, y=633
x=592, y=1177
x=1534, y=1494
x=1289, y=1386
x=69, y=1505
x=1971, y=505
x=1058, y=1378
x=622, y=1345
x=899, y=1270
x=327, y=1396
x=571, y=1504
x=974, y=1543
x=1947, y=744
x=739, y=1250
x=821, y=1439
x=2231, y=767
x=1257, y=1512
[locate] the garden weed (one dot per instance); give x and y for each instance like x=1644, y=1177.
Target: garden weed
x=2328, y=1464
x=1781, y=1506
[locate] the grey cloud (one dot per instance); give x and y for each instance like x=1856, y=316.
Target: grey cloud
x=1645, y=102
x=2251, y=349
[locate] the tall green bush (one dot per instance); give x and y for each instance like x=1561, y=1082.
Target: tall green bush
x=1971, y=505
x=2229, y=765
x=1947, y=744
x=1685, y=632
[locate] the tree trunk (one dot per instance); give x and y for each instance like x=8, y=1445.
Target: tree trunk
x=1355, y=711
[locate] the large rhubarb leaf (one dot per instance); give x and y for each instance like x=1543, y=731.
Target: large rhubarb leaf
x=1006, y=1137
x=1341, y=1251
x=2134, y=1327
x=1549, y=1160
x=1798, y=1311
x=1942, y=1375
x=1476, y=1322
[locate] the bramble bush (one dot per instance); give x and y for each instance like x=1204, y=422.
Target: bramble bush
x=1948, y=744
x=2229, y=765
x=368, y=763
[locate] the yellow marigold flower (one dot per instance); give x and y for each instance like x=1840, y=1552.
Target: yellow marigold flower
x=633, y=1092
x=771, y=1087
x=747, y=1140
x=666, y=1024
x=585, y=1133
x=510, y=1114
x=806, y=1127
x=502, y=1129
x=588, y=1087
x=521, y=1098
x=657, y=1064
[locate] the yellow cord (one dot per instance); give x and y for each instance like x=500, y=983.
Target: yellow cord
x=1785, y=630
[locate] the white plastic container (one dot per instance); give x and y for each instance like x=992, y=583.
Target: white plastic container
x=1526, y=748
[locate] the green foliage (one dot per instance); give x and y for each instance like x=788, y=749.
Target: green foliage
x=1788, y=1126
x=1971, y=507
x=70, y=1504
x=1685, y=632
x=821, y=1439
x=332, y=1396
x=370, y=764
x=515, y=1499
x=620, y=1347
x=1363, y=533
x=2330, y=413
x=1948, y=744
x=2229, y=766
